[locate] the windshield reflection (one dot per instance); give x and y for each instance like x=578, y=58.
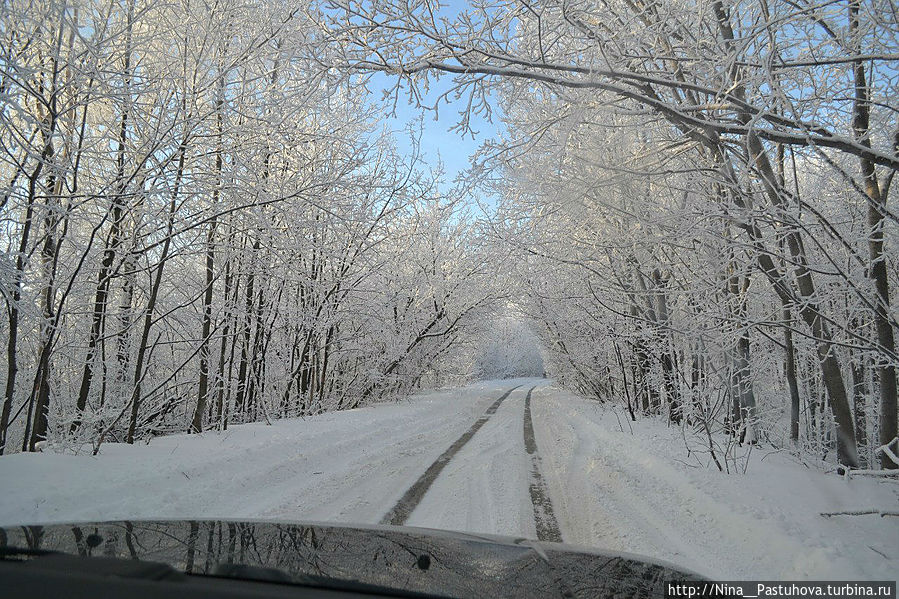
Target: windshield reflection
x=459, y=565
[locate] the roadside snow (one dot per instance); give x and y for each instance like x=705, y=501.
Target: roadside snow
x=610, y=488
x=636, y=492
x=348, y=466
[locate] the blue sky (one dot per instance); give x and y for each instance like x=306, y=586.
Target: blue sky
x=437, y=142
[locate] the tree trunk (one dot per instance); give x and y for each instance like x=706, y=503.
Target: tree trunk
x=790, y=368
x=113, y=241
x=847, y=451
x=197, y=423
x=666, y=353
x=49, y=262
x=877, y=269
x=48, y=127
x=860, y=401
x=240, y=401
x=151, y=301
x=220, y=371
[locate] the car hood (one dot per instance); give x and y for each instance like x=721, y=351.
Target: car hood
x=413, y=560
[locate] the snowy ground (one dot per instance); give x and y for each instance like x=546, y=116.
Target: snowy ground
x=609, y=487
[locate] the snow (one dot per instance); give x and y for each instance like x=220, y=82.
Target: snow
x=634, y=492
x=485, y=487
x=345, y=466
x=613, y=485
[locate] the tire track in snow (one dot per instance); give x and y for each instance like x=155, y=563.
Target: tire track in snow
x=544, y=517
x=400, y=512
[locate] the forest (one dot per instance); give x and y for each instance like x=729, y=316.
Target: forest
x=206, y=219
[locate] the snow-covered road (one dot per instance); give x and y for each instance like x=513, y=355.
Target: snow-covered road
x=447, y=460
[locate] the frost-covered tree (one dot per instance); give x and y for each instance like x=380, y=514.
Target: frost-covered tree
x=201, y=225
x=730, y=116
